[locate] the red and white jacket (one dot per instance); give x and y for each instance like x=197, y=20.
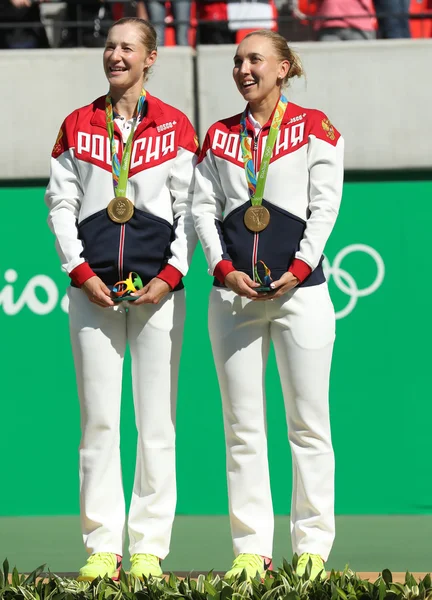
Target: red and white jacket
x=159, y=240
x=302, y=193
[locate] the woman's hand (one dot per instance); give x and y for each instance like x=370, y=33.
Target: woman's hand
x=241, y=284
x=287, y=282
x=97, y=292
x=152, y=293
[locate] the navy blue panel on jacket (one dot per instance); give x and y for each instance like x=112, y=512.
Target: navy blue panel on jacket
x=277, y=243
x=146, y=246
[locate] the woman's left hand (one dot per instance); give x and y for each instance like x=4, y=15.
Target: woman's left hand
x=287, y=282
x=152, y=293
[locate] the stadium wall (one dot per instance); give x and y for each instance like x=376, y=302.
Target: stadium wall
x=377, y=93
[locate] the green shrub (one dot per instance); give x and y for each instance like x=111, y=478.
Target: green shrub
x=282, y=584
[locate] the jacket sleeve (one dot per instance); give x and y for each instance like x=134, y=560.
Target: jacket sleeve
x=325, y=166
x=208, y=208
x=63, y=198
x=181, y=188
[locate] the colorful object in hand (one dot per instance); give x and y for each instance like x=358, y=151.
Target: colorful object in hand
x=123, y=289
x=267, y=279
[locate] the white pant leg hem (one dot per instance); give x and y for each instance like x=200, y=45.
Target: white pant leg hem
x=252, y=547
x=111, y=549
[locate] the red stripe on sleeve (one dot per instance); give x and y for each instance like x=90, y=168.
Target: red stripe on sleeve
x=81, y=273
x=222, y=269
x=171, y=276
x=299, y=269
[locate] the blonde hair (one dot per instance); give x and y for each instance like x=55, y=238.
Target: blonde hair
x=147, y=34
x=283, y=52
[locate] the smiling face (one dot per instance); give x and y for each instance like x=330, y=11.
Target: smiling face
x=258, y=71
x=126, y=57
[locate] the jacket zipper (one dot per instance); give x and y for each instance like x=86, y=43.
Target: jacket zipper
x=256, y=235
x=123, y=226
x=121, y=251
x=122, y=232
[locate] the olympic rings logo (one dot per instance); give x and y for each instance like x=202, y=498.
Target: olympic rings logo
x=346, y=283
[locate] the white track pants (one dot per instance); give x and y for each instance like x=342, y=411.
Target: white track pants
x=99, y=338
x=301, y=326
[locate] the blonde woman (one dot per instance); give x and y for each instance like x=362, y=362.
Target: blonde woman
x=119, y=201
x=267, y=193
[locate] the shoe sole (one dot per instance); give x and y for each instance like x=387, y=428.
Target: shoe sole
x=234, y=577
x=114, y=577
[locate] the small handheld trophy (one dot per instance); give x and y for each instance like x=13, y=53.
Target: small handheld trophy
x=123, y=289
x=266, y=279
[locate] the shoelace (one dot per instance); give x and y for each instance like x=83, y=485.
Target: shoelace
x=245, y=560
x=101, y=557
x=315, y=558
x=150, y=558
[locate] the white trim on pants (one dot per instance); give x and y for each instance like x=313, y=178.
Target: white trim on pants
x=99, y=337
x=301, y=325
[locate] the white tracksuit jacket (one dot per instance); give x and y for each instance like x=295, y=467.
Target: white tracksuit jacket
x=160, y=236
x=302, y=193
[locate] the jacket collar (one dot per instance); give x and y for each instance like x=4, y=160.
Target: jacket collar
x=153, y=114
x=266, y=126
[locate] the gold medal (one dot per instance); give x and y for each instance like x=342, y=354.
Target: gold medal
x=256, y=218
x=120, y=209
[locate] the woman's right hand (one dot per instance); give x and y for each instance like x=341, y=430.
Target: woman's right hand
x=241, y=284
x=97, y=292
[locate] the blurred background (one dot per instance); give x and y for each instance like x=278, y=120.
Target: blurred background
x=368, y=67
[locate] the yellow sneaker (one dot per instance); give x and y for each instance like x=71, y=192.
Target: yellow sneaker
x=99, y=565
x=253, y=564
x=145, y=564
x=317, y=566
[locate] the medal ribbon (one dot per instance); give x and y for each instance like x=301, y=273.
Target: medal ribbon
x=256, y=184
x=120, y=172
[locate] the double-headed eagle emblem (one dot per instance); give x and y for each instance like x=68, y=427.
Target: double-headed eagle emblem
x=328, y=128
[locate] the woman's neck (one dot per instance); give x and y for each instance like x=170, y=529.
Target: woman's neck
x=263, y=109
x=125, y=101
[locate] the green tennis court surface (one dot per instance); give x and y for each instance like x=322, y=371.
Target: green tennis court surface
x=202, y=543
